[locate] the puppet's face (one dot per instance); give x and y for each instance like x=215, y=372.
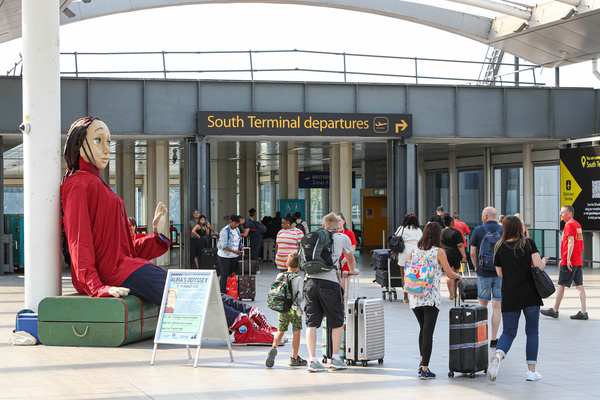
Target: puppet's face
x=98, y=140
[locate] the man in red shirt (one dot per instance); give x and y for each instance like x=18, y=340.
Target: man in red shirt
x=571, y=263
x=462, y=228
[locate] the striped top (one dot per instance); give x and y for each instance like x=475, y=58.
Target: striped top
x=288, y=241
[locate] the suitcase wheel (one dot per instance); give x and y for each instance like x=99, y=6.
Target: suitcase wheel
x=450, y=374
x=365, y=363
x=324, y=360
x=383, y=295
x=380, y=361
x=472, y=375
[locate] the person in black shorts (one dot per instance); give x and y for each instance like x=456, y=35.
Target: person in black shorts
x=454, y=246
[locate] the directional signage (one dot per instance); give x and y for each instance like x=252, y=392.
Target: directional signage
x=304, y=124
x=580, y=184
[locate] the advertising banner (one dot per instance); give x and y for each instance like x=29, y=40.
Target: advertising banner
x=580, y=184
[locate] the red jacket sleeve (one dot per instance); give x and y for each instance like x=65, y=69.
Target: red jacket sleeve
x=81, y=243
x=151, y=246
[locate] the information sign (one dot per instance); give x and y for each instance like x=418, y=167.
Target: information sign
x=191, y=310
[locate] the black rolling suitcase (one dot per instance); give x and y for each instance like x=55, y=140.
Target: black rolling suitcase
x=380, y=258
x=246, y=281
x=467, y=287
x=208, y=259
x=468, y=340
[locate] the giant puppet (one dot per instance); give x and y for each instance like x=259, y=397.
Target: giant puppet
x=105, y=260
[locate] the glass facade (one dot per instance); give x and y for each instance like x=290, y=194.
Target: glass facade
x=438, y=192
x=470, y=196
x=508, y=190
x=546, y=190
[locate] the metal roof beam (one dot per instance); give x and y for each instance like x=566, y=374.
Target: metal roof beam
x=498, y=7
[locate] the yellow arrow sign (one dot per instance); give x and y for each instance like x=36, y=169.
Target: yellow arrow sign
x=403, y=125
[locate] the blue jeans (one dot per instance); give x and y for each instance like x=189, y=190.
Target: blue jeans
x=510, y=322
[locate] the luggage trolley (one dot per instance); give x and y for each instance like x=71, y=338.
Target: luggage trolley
x=387, y=273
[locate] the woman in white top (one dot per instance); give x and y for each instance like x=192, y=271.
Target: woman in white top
x=427, y=307
x=411, y=233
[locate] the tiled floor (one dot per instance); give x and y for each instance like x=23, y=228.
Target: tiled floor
x=567, y=360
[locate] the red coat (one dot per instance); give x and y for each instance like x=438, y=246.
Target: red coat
x=102, y=251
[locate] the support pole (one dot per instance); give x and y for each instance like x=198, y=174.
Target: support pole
x=41, y=150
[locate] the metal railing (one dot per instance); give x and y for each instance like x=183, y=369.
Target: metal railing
x=301, y=65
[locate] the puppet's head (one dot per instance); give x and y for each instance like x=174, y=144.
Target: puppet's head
x=89, y=138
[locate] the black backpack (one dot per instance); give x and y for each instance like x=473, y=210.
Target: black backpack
x=300, y=226
x=316, y=250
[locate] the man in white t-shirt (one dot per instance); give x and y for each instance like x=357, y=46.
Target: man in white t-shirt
x=323, y=297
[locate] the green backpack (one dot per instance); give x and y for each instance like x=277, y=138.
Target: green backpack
x=280, y=296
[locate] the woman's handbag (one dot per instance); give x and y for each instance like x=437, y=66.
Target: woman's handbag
x=543, y=283
x=231, y=287
x=396, y=243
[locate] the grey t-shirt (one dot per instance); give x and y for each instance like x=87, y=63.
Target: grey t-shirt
x=341, y=244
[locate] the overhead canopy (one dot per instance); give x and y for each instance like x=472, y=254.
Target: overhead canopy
x=551, y=34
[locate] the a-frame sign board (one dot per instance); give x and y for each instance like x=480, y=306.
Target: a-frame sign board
x=191, y=311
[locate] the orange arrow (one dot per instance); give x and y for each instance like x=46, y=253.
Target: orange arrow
x=403, y=125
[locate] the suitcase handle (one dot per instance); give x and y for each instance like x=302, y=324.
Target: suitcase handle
x=84, y=333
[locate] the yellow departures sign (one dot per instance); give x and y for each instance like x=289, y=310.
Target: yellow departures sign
x=569, y=188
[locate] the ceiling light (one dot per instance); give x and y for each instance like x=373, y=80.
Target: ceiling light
x=298, y=148
x=87, y=1
x=233, y=158
x=564, y=52
x=69, y=13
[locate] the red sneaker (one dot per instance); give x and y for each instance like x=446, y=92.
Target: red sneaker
x=262, y=322
x=247, y=332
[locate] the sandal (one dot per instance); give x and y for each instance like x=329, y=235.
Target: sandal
x=451, y=297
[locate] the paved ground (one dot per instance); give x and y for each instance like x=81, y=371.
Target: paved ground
x=568, y=360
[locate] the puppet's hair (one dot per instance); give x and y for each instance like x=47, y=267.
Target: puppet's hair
x=75, y=139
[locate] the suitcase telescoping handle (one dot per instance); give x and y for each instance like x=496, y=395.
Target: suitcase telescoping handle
x=249, y=261
x=457, y=298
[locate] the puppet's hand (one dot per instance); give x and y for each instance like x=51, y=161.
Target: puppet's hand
x=118, y=291
x=160, y=218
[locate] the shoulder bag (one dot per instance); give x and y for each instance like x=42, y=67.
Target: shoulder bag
x=543, y=283
x=396, y=243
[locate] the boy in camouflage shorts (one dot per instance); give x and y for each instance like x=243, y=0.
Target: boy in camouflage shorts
x=294, y=317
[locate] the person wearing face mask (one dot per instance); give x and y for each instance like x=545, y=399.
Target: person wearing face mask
x=105, y=261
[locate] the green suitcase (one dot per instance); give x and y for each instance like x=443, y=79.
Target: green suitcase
x=80, y=320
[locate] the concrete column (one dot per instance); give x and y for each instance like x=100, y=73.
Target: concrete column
x=272, y=193
x=292, y=171
x=422, y=178
x=528, y=187
x=345, y=191
x=243, y=182
x=125, y=180
x=453, y=182
x=250, y=194
x=283, y=171
x=488, y=178
x=41, y=150
x=158, y=187
x=225, y=191
x=334, y=180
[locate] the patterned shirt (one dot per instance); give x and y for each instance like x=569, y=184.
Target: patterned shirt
x=287, y=243
x=433, y=298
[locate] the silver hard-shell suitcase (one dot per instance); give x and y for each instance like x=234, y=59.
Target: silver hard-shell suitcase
x=365, y=330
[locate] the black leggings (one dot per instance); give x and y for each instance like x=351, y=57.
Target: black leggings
x=227, y=266
x=427, y=317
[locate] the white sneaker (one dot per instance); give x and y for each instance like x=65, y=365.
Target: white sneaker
x=315, y=366
x=338, y=364
x=533, y=376
x=492, y=370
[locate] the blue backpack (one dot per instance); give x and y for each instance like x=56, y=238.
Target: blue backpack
x=486, y=249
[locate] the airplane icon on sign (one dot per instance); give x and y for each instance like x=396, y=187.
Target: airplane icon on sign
x=381, y=124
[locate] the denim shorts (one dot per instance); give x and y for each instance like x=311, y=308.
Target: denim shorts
x=489, y=288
